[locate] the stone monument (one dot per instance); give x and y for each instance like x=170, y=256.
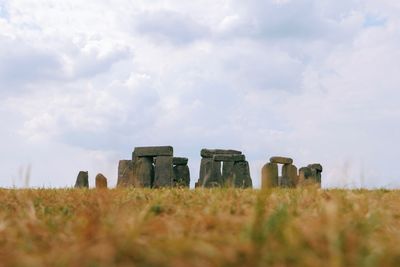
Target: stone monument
x=153, y=167
x=101, y=181
x=82, y=181
x=235, y=169
x=270, y=177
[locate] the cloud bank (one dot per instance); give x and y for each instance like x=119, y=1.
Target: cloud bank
x=83, y=83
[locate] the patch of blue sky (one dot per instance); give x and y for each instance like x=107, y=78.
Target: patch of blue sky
x=374, y=21
x=3, y=11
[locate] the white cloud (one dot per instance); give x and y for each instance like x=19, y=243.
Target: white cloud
x=169, y=26
x=82, y=83
x=21, y=63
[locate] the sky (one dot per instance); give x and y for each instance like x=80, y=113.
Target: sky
x=84, y=82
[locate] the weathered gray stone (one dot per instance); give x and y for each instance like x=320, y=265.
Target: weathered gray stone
x=248, y=182
x=281, y=160
x=269, y=175
x=240, y=175
x=316, y=166
x=289, y=176
x=181, y=176
x=305, y=173
x=180, y=161
x=318, y=177
x=82, y=181
x=125, y=172
x=205, y=169
x=213, y=177
x=143, y=172
x=307, y=176
x=163, y=172
x=101, y=181
x=316, y=170
x=227, y=167
x=229, y=157
x=209, y=153
x=153, y=151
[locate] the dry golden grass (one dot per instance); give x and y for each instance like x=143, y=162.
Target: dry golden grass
x=177, y=227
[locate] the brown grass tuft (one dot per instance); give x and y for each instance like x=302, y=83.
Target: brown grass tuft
x=216, y=227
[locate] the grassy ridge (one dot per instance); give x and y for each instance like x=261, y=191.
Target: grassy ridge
x=177, y=227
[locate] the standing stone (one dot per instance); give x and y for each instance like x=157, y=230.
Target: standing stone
x=82, y=181
x=210, y=168
x=163, y=171
x=281, y=160
x=143, y=172
x=316, y=169
x=247, y=182
x=205, y=170
x=181, y=176
x=125, y=172
x=213, y=178
x=316, y=166
x=318, y=177
x=309, y=176
x=101, y=181
x=227, y=167
x=240, y=175
x=289, y=175
x=269, y=175
x=305, y=175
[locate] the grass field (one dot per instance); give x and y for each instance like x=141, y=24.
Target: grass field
x=218, y=227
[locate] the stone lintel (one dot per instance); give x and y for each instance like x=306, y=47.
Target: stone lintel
x=229, y=157
x=281, y=160
x=209, y=153
x=153, y=151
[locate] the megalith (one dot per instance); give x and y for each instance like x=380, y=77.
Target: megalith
x=181, y=172
x=153, y=151
x=209, y=153
x=215, y=178
x=281, y=160
x=153, y=167
x=82, y=181
x=240, y=175
x=227, y=167
x=205, y=170
x=101, y=181
x=163, y=171
x=181, y=176
x=125, y=173
x=143, y=172
x=180, y=161
x=235, y=169
x=289, y=175
x=310, y=175
x=269, y=175
x=316, y=170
